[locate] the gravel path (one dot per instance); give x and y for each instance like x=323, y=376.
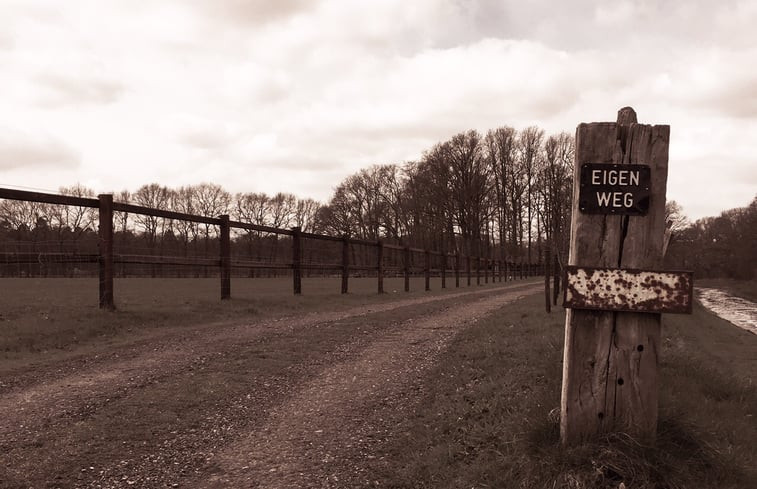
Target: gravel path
x=293, y=402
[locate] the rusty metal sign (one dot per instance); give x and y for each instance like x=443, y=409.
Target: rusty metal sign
x=614, y=189
x=608, y=289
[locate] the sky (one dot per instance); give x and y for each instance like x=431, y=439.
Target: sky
x=295, y=95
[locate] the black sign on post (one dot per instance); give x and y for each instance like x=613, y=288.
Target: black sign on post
x=614, y=189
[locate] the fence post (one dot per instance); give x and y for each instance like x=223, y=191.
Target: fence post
x=225, y=257
x=547, y=277
x=486, y=270
x=406, y=266
x=478, y=270
x=467, y=259
x=297, y=260
x=105, y=243
x=345, y=262
x=617, y=389
x=380, y=267
x=556, y=276
x=427, y=270
x=444, y=270
x=457, y=269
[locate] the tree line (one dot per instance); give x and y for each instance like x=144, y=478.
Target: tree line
x=722, y=246
x=504, y=194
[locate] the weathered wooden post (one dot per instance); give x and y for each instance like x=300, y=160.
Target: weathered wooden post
x=406, y=268
x=380, y=265
x=345, y=262
x=444, y=269
x=486, y=270
x=427, y=270
x=478, y=270
x=297, y=260
x=547, y=277
x=556, y=277
x=225, y=241
x=105, y=242
x=468, y=266
x=614, y=294
x=457, y=270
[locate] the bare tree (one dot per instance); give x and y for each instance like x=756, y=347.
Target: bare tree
x=282, y=210
x=22, y=215
x=501, y=157
x=469, y=186
x=529, y=145
x=156, y=197
x=675, y=218
x=554, y=187
x=305, y=215
x=183, y=200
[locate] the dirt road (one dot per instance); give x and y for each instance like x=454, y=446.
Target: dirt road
x=290, y=402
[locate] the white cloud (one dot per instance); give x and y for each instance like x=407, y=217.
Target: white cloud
x=295, y=95
x=19, y=151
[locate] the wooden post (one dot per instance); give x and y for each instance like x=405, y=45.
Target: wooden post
x=610, y=358
x=345, y=262
x=467, y=259
x=297, y=260
x=478, y=270
x=457, y=270
x=225, y=241
x=555, y=278
x=547, y=277
x=380, y=266
x=427, y=270
x=444, y=270
x=486, y=270
x=406, y=267
x=105, y=242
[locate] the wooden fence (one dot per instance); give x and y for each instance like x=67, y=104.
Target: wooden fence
x=412, y=261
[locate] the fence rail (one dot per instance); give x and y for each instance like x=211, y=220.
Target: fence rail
x=412, y=260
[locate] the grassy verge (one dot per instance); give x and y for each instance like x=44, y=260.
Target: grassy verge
x=50, y=315
x=490, y=417
x=741, y=288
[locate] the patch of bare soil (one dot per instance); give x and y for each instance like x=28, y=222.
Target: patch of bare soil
x=295, y=402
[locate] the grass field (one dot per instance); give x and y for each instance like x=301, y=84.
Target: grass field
x=51, y=314
x=490, y=417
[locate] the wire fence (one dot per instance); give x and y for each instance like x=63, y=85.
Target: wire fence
x=96, y=237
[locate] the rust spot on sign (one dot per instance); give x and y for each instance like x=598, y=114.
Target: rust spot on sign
x=639, y=291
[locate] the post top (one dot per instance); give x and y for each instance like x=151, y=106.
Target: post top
x=627, y=116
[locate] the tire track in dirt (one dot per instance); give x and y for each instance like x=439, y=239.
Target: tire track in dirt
x=47, y=394
x=327, y=432
x=37, y=408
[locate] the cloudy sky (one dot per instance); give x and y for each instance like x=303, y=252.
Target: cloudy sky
x=294, y=95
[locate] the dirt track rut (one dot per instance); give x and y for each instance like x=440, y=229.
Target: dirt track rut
x=294, y=402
